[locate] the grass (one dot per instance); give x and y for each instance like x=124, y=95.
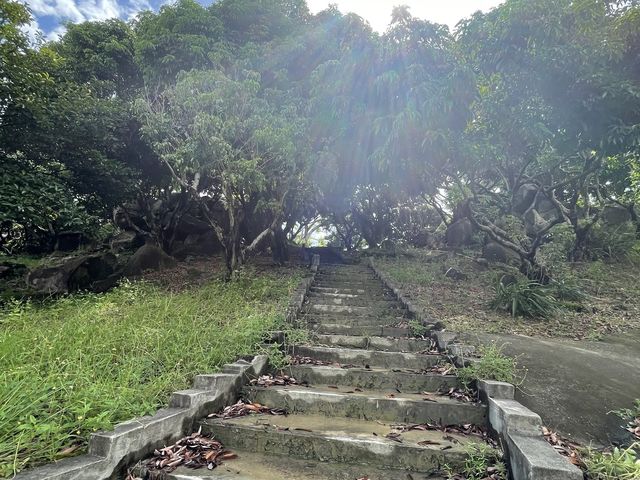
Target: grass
x=83, y=363
x=482, y=462
x=600, y=298
x=619, y=464
x=491, y=365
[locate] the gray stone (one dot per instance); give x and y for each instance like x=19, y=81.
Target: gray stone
x=455, y=274
x=524, y=197
x=508, y=416
x=70, y=241
x=534, y=222
x=496, y=253
x=148, y=257
x=73, y=273
x=125, y=241
x=460, y=233
x=532, y=458
x=498, y=390
x=461, y=350
x=614, y=215
x=444, y=339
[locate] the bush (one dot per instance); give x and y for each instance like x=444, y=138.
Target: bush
x=492, y=365
x=524, y=298
x=620, y=464
x=612, y=243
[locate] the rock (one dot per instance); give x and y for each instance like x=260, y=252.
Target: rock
x=508, y=279
x=455, y=274
x=534, y=222
x=389, y=247
x=70, y=241
x=148, y=257
x=10, y=270
x=459, y=233
x=524, y=197
x=74, y=273
x=496, y=253
x=128, y=240
x=197, y=245
x=614, y=215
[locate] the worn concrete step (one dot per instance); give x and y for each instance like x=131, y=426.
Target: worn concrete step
x=372, y=321
x=353, y=278
x=358, y=330
x=254, y=466
x=345, y=314
x=390, y=406
x=372, y=358
x=347, y=282
x=353, y=300
x=374, y=343
x=340, y=440
x=352, y=291
x=373, y=378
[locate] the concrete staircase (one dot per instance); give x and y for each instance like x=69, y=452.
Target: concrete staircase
x=359, y=383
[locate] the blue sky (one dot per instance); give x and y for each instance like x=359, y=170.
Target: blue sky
x=50, y=15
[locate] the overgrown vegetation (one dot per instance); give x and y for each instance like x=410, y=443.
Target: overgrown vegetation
x=491, y=365
x=482, y=462
x=85, y=362
x=618, y=464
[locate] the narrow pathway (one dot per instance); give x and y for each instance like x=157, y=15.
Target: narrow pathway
x=361, y=386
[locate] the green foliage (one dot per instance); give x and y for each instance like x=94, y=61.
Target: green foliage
x=629, y=413
x=613, y=243
x=524, y=298
x=619, y=464
x=85, y=362
x=481, y=461
x=491, y=365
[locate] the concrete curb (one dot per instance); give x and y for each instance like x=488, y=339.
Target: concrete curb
x=519, y=430
x=110, y=453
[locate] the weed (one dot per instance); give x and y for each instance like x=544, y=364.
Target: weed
x=629, y=413
x=524, y=298
x=86, y=362
x=417, y=329
x=619, y=464
x=492, y=365
x=481, y=461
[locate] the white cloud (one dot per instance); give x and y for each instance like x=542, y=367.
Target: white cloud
x=378, y=12
x=76, y=11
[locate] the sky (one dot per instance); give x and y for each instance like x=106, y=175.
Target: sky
x=50, y=15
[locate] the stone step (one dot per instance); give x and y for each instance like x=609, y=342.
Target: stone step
x=372, y=378
x=374, y=343
x=368, y=278
x=370, y=405
x=348, y=283
x=351, y=291
x=254, y=466
x=352, y=300
x=371, y=331
x=372, y=358
x=340, y=440
x=385, y=314
x=372, y=321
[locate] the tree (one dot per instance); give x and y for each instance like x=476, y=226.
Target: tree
x=224, y=144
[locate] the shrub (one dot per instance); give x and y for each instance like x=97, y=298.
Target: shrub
x=612, y=243
x=524, y=298
x=492, y=365
x=620, y=464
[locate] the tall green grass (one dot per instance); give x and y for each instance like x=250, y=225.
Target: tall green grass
x=86, y=362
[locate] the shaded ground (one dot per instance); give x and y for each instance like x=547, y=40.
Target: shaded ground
x=572, y=385
x=612, y=305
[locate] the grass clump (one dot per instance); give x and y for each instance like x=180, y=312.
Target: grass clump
x=524, y=298
x=491, y=365
x=482, y=462
x=619, y=464
x=83, y=363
